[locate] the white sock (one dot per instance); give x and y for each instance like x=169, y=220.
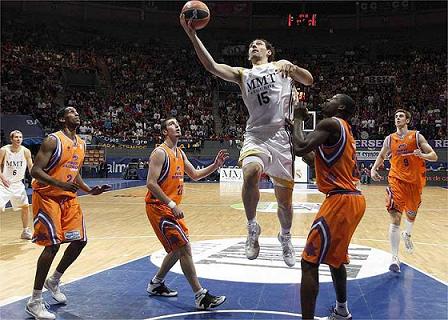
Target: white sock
x=156, y=279
x=342, y=308
x=251, y=222
x=285, y=231
x=394, y=237
x=57, y=275
x=199, y=292
x=409, y=225
x=37, y=294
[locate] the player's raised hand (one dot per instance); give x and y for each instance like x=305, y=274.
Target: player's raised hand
x=375, y=175
x=186, y=24
x=221, y=157
x=96, y=190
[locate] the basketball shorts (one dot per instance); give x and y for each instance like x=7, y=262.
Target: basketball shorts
x=57, y=220
x=403, y=197
x=333, y=228
x=274, y=152
x=16, y=193
x=172, y=232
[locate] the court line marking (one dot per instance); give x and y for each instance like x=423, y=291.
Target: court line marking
x=15, y=299
x=175, y=315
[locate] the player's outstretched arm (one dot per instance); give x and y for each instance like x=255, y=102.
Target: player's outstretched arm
x=197, y=174
x=223, y=71
x=380, y=160
x=156, y=161
x=41, y=162
x=425, y=152
x=324, y=129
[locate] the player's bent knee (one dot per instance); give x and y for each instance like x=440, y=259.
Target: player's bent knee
x=184, y=250
x=308, y=266
x=53, y=249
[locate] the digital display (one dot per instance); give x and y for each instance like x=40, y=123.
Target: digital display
x=302, y=20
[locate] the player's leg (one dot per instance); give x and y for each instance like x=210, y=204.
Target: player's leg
x=252, y=169
x=285, y=215
x=339, y=276
x=203, y=299
x=36, y=305
x=157, y=284
x=394, y=205
x=26, y=217
x=413, y=202
x=19, y=201
x=309, y=288
x=73, y=231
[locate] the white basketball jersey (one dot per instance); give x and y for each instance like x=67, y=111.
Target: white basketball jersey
x=14, y=164
x=267, y=96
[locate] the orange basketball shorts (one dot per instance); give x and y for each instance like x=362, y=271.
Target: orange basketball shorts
x=403, y=197
x=333, y=228
x=57, y=220
x=172, y=232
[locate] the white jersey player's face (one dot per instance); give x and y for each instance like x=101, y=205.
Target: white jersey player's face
x=258, y=51
x=16, y=140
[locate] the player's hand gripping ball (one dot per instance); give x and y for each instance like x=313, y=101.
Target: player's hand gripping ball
x=196, y=14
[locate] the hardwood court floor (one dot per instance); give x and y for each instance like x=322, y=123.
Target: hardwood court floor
x=119, y=231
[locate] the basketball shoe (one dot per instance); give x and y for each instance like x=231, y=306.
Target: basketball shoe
x=336, y=316
x=53, y=286
x=407, y=241
x=38, y=309
x=252, y=245
x=395, y=264
x=205, y=300
x=289, y=255
x=160, y=289
x=26, y=234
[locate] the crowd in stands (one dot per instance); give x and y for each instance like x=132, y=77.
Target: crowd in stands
x=141, y=84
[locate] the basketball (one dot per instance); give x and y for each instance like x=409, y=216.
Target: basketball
x=197, y=12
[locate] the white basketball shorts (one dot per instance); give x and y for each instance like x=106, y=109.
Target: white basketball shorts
x=274, y=151
x=16, y=193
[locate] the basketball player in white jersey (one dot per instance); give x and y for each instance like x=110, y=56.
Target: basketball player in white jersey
x=267, y=91
x=14, y=159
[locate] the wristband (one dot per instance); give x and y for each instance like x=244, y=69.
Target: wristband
x=171, y=204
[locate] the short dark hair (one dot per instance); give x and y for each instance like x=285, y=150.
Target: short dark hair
x=164, y=124
x=348, y=102
x=269, y=46
x=406, y=113
x=61, y=114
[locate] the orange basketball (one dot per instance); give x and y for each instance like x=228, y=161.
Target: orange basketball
x=197, y=12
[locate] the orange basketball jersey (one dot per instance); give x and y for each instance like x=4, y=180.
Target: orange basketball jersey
x=403, y=164
x=336, y=167
x=171, y=179
x=64, y=164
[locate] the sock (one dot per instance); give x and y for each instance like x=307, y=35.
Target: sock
x=199, y=292
x=341, y=308
x=37, y=294
x=409, y=225
x=285, y=231
x=251, y=222
x=156, y=279
x=57, y=275
x=394, y=237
